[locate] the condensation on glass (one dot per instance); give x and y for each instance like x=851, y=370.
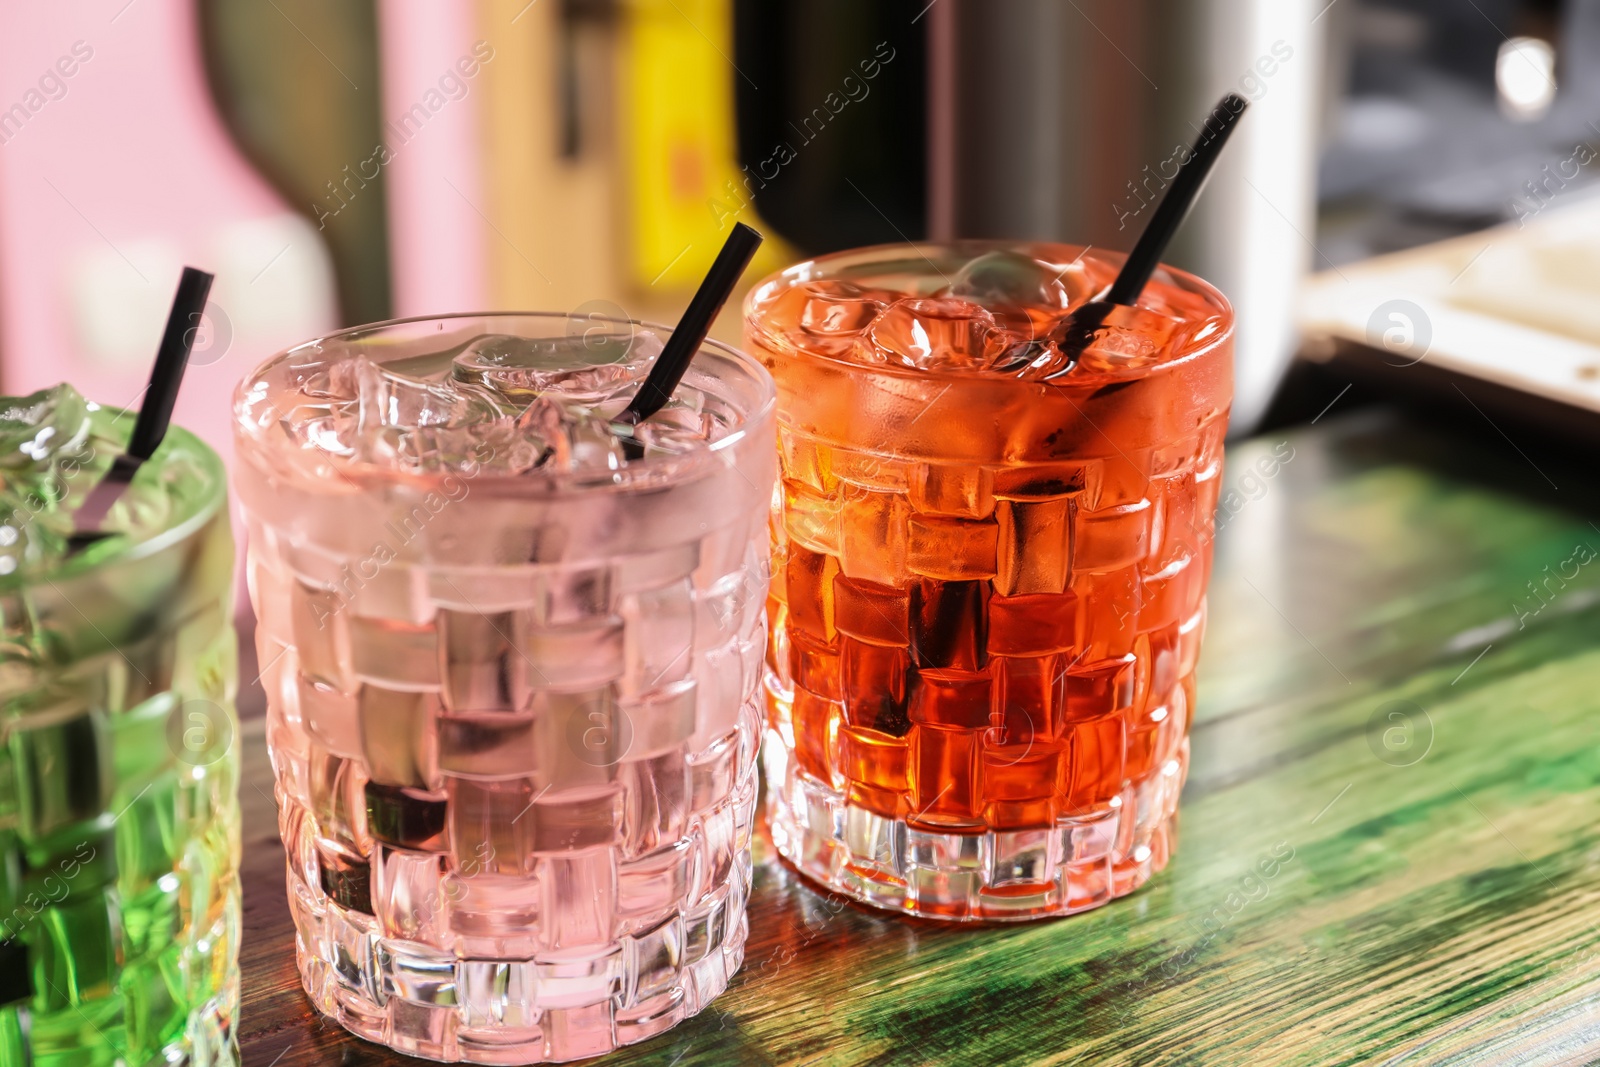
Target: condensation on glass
x=989, y=569
x=514, y=717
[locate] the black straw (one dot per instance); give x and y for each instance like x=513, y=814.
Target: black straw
x=172, y=358
x=690, y=334
x=1077, y=332
x=155, y=413
x=1174, y=207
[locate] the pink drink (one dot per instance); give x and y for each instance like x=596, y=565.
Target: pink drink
x=513, y=677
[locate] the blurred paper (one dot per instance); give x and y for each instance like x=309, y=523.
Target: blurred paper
x=684, y=187
x=1517, y=305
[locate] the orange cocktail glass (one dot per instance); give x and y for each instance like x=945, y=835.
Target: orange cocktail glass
x=989, y=572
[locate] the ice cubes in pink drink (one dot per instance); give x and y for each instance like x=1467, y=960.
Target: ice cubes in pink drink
x=589, y=366
x=502, y=405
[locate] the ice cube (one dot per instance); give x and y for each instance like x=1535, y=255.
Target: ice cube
x=544, y=421
x=148, y=502
x=29, y=535
x=409, y=422
x=595, y=447
x=570, y=437
x=827, y=314
x=666, y=439
x=394, y=400
x=677, y=427
x=43, y=427
x=51, y=452
x=1024, y=293
x=1129, y=338
x=585, y=367
x=506, y=405
x=325, y=430
x=940, y=333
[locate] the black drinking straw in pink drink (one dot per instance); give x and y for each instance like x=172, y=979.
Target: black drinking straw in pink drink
x=676, y=355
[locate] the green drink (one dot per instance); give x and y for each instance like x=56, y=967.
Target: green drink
x=119, y=818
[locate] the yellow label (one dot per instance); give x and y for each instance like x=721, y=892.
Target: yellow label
x=685, y=189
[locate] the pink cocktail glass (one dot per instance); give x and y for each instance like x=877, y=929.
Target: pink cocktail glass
x=514, y=689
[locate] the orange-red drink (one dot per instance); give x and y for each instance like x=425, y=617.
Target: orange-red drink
x=989, y=572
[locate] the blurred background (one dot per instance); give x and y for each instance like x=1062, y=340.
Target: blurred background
x=344, y=161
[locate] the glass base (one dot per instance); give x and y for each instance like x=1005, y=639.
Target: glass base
x=1080, y=863
x=561, y=1005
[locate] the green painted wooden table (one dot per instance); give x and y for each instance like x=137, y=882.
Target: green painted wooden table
x=1389, y=850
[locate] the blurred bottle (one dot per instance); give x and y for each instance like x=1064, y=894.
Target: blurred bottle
x=861, y=124
x=831, y=118
x=288, y=81
x=1063, y=121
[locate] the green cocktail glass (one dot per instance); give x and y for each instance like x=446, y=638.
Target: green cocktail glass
x=119, y=815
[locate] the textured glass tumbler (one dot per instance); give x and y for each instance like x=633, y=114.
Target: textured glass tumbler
x=119, y=808
x=988, y=589
x=513, y=718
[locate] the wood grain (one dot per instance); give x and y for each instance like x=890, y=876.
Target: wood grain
x=1342, y=891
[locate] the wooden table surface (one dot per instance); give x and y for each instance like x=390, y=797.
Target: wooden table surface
x=1389, y=849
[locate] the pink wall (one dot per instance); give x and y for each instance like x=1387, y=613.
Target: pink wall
x=432, y=56
x=111, y=179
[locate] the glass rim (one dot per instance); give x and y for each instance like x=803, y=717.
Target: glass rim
x=72, y=567
x=249, y=432
x=806, y=269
